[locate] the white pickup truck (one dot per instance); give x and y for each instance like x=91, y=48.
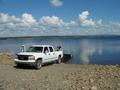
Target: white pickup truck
x=38, y=55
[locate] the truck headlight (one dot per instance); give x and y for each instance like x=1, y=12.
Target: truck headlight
x=31, y=57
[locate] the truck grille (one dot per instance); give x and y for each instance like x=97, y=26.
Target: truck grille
x=23, y=57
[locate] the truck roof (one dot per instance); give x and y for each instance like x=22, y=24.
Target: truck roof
x=42, y=45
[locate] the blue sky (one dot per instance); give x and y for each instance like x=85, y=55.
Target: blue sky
x=67, y=17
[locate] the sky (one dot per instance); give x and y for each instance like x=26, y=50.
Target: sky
x=59, y=17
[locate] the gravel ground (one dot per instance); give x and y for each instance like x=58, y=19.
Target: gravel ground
x=58, y=77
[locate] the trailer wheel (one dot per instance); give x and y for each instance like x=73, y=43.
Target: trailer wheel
x=38, y=64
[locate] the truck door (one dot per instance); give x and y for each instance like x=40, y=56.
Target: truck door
x=46, y=54
x=52, y=54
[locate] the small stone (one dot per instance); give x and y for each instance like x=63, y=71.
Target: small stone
x=78, y=89
x=93, y=88
x=83, y=87
x=48, y=89
x=118, y=84
x=91, y=80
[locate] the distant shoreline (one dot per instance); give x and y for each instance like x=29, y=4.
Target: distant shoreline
x=67, y=36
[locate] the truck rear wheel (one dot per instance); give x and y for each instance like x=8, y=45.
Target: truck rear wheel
x=38, y=64
x=59, y=60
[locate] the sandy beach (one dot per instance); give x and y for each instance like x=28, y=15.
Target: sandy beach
x=58, y=76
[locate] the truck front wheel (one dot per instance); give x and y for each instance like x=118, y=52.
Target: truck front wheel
x=38, y=64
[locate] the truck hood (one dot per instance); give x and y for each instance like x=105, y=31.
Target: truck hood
x=28, y=53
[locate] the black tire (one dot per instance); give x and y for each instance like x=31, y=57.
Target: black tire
x=38, y=64
x=59, y=60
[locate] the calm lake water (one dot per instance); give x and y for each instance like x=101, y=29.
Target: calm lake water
x=85, y=50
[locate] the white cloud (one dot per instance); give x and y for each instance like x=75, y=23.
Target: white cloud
x=51, y=21
x=56, y=3
x=54, y=21
x=28, y=19
x=5, y=18
x=84, y=25
x=85, y=21
x=71, y=24
x=100, y=22
x=115, y=24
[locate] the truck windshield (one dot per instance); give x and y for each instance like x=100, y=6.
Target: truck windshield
x=35, y=49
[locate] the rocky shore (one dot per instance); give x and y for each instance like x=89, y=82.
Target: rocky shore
x=58, y=77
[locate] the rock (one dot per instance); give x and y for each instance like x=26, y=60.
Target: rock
x=118, y=84
x=82, y=87
x=91, y=80
x=93, y=88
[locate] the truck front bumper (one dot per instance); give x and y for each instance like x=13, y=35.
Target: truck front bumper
x=24, y=61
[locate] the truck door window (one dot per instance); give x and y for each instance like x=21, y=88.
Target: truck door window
x=51, y=49
x=35, y=49
x=46, y=50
